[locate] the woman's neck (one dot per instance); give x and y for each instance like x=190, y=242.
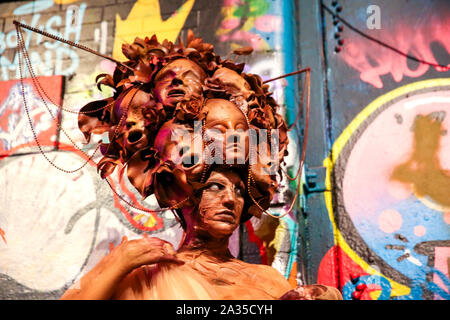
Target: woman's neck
x=197, y=240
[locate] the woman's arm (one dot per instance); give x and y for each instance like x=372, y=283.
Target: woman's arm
x=101, y=282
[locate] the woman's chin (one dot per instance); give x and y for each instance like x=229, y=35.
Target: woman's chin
x=220, y=229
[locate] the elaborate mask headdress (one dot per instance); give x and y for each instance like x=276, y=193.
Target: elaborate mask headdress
x=165, y=87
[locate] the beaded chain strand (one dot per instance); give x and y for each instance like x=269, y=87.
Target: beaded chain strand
x=22, y=51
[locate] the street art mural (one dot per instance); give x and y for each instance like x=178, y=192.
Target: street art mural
x=56, y=58
x=407, y=34
x=390, y=176
x=250, y=22
x=387, y=175
x=67, y=223
x=388, y=162
x=43, y=254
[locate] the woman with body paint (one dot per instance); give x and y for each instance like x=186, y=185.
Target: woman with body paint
x=216, y=179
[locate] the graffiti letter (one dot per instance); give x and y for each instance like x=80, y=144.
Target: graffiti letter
x=42, y=68
x=147, y=14
x=2, y=42
x=29, y=33
x=57, y=20
x=7, y=65
x=100, y=36
x=11, y=39
x=374, y=20
x=74, y=20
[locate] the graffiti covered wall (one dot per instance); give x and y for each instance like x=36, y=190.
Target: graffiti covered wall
x=374, y=218
x=54, y=225
x=387, y=170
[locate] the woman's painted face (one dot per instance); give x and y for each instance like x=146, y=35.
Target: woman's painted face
x=221, y=203
x=178, y=80
x=226, y=130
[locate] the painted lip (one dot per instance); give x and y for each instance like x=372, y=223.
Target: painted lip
x=225, y=216
x=175, y=93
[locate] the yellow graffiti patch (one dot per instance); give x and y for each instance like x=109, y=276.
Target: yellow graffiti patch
x=144, y=20
x=329, y=163
x=150, y=222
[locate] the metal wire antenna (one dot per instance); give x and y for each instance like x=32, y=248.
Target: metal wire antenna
x=305, y=140
x=71, y=43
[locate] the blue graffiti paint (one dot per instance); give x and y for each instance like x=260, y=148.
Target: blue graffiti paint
x=401, y=255
x=433, y=287
x=33, y=7
x=50, y=61
x=417, y=286
x=287, y=44
x=292, y=226
x=416, y=293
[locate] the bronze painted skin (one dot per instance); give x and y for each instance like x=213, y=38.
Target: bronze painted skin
x=171, y=87
x=203, y=268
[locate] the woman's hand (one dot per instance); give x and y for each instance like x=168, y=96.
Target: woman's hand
x=131, y=254
x=101, y=282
